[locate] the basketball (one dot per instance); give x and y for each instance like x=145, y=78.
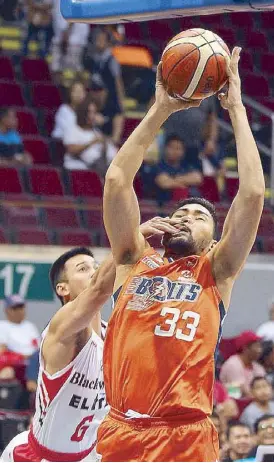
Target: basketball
x=193, y=64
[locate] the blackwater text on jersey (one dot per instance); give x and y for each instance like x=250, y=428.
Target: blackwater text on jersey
x=87, y=403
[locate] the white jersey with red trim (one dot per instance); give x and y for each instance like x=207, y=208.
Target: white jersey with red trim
x=71, y=403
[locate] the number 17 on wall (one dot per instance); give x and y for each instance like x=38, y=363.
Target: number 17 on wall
x=11, y=273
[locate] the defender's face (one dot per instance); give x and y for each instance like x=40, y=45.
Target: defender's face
x=195, y=230
x=79, y=271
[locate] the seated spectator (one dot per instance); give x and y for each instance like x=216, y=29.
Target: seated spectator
x=261, y=391
x=68, y=43
x=239, y=442
x=224, y=405
x=99, y=61
x=86, y=147
x=11, y=144
x=266, y=330
x=264, y=429
x=174, y=172
x=65, y=117
x=17, y=334
x=39, y=15
x=267, y=360
x=241, y=368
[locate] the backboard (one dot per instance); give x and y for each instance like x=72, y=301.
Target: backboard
x=119, y=11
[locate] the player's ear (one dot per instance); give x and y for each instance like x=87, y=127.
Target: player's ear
x=62, y=289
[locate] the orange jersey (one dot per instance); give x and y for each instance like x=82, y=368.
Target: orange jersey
x=162, y=336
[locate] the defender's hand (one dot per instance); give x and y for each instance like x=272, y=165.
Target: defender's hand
x=232, y=97
x=157, y=226
x=166, y=102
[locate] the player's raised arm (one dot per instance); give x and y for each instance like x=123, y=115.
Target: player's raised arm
x=121, y=210
x=243, y=218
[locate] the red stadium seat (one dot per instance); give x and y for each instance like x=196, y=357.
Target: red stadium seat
x=85, y=183
x=10, y=180
x=138, y=187
x=242, y=20
x=160, y=31
x=93, y=219
x=45, y=96
x=267, y=20
x=46, y=181
x=57, y=217
x=256, y=86
x=133, y=31
x=210, y=21
x=38, y=148
x=16, y=215
x=256, y=40
x=3, y=237
x=266, y=226
x=227, y=34
x=6, y=68
x=77, y=237
x=267, y=63
x=246, y=62
x=27, y=124
x=49, y=120
x=34, y=69
x=209, y=189
x=232, y=185
x=32, y=235
x=11, y=94
x=268, y=244
x=130, y=125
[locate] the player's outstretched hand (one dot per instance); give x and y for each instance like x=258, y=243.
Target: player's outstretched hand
x=157, y=226
x=166, y=102
x=232, y=97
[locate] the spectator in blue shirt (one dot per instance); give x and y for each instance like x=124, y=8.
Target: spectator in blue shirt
x=11, y=144
x=174, y=171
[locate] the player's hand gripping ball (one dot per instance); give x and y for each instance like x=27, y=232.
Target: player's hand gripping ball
x=194, y=65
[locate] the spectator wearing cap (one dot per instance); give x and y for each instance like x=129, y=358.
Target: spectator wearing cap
x=262, y=404
x=17, y=334
x=264, y=429
x=266, y=330
x=241, y=368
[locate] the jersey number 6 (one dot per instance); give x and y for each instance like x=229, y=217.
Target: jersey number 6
x=171, y=322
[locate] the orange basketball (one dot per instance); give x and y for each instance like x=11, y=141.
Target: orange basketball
x=193, y=64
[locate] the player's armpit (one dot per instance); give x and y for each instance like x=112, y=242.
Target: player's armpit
x=238, y=237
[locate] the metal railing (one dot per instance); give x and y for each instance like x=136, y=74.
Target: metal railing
x=266, y=150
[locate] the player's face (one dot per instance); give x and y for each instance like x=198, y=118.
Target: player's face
x=175, y=151
x=240, y=440
x=262, y=390
x=195, y=231
x=79, y=270
x=266, y=432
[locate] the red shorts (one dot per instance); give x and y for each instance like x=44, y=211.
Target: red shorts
x=153, y=439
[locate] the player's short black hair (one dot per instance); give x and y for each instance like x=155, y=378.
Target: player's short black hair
x=173, y=137
x=236, y=424
x=58, y=266
x=259, y=420
x=203, y=202
x=256, y=379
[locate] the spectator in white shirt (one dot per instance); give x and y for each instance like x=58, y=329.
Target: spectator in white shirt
x=86, y=147
x=17, y=334
x=266, y=330
x=65, y=118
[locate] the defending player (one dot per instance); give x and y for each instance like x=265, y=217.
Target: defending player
x=162, y=335
x=70, y=398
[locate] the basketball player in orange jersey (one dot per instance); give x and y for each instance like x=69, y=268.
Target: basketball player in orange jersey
x=163, y=333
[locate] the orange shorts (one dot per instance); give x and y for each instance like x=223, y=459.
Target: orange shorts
x=153, y=439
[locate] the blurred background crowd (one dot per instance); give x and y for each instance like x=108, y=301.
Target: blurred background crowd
x=70, y=94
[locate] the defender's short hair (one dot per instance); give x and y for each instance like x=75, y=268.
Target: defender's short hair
x=58, y=266
x=202, y=202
